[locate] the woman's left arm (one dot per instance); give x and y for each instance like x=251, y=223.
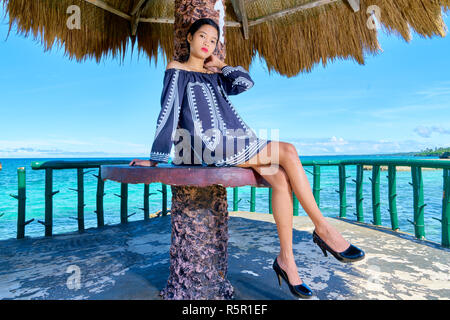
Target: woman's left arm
x=235, y=80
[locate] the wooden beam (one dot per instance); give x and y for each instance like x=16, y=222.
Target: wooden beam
x=239, y=9
x=136, y=8
x=172, y=20
x=355, y=4
x=139, y=7
x=158, y=20
x=309, y=5
x=107, y=7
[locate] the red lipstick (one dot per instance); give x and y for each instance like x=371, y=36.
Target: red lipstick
x=204, y=49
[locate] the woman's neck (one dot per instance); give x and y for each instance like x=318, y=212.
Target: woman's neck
x=195, y=64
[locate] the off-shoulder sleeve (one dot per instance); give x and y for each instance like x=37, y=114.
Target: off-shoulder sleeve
x=171, y=98
x=235, y=80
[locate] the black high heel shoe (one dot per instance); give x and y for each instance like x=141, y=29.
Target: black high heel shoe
x=351, y=254
x=300, y=290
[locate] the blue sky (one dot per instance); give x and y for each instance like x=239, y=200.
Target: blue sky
x=399, y=101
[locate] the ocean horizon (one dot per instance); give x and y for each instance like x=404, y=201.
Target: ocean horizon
x=65, y=201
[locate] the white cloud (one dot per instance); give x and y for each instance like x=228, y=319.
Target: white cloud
x=426, y=131
x=338, y=145
x=435, y=91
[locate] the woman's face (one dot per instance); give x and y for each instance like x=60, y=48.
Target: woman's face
x=204, y=41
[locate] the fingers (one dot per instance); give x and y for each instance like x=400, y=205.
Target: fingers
x=136, y=162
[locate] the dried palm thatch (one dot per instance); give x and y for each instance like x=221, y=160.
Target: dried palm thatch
x=291, y=35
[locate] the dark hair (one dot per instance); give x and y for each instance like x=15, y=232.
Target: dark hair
x=196, y=25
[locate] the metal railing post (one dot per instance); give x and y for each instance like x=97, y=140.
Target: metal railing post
x=445, y=221
x=359, y=193
x=270, y=200
x=342, y=192
x=376, y=195
x=235, y=198
x=49, y=193
x=123, y=202
x=316, y=183
x=99, y=199
x=80, y=193
x=21, y=197
x=146, y=201
x=392, y=186
x=164, y=199
x=419, y=227
x=252, y=198
x=294, y=204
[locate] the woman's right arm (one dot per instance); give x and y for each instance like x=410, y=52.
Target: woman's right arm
x=168, y=117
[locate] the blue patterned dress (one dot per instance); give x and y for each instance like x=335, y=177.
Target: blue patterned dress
x=198, y=118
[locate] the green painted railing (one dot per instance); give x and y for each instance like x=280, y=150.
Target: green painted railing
x=49, y=166
x=416, y=183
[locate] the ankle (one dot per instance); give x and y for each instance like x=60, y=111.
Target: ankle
x=286, y=258
x=322, y=227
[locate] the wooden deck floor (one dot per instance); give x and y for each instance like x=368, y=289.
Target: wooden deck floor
x=132, y=262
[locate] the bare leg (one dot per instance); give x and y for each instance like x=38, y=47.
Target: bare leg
x=284, y=155
x=282, y=212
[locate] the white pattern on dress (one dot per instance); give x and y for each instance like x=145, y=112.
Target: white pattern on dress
x=241, y=80
x=210, y=142
x=173, y=99
x=161, y=156
x=248, y=151
x=218, y=115
x=228, y=69
x=248, y=131
x=244, y=155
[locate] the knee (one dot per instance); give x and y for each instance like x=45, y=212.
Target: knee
x=280, y=179
x=289, y=152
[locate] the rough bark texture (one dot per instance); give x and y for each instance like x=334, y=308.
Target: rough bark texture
x=199, y=242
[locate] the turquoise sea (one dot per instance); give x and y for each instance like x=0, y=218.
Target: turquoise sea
x=65, y=202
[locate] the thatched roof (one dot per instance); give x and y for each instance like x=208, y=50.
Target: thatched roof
x=291, y=35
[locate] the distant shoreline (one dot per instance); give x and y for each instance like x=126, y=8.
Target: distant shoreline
x=398, y=168
x=406, y=154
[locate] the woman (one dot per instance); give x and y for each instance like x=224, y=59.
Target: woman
x=195, y=98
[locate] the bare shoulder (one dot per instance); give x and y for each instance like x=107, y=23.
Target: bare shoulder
x=174, y=64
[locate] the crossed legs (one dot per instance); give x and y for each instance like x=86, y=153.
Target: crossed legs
x=280, y=165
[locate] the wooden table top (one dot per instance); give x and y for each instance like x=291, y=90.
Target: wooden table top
x=184, y=175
